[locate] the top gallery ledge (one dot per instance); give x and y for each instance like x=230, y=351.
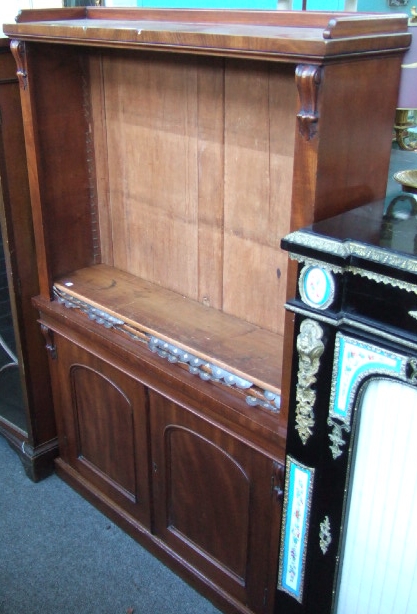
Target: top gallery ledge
x=277, y=35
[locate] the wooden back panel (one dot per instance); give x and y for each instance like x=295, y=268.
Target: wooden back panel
x=199, y=155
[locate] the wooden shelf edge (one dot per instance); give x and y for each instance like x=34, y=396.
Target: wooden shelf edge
x=213, y=345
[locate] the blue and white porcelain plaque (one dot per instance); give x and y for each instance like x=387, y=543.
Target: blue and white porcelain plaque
x=354, y=361
x=297, y=503
x=316, y=287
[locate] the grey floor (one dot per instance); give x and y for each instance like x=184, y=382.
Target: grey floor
x=59, y=555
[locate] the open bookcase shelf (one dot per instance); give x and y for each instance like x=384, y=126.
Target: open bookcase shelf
x=216, y=346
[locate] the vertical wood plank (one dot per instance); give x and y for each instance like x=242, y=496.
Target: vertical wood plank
x=258, y=177
x=98, y=119
x=152, y=145
x=210, y=182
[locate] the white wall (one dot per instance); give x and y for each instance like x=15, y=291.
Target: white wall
x=12, y=8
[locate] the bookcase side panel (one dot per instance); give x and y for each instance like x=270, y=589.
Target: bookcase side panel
x=355, y=138
x=67, y=194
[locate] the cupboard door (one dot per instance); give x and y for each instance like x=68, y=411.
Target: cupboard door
x=102, y=425
x=214, y=504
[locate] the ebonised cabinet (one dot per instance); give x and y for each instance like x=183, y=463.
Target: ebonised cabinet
x=168, y=153
x=350, y=480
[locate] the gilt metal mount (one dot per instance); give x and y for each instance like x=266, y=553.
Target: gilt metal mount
x=310, y=348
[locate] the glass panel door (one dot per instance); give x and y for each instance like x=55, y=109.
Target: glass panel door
x=379, y=569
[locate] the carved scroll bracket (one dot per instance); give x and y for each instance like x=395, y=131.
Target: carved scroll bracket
x=18, y=50
x=48, y=335
x=310, y=348
x=308, y=79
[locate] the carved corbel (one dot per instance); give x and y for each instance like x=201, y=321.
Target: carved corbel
x=308, y=79
x=310, y=348
x=18, y=50
x=48, y=335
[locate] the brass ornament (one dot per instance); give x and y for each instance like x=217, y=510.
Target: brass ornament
x=384, y=279
x=336, y=436
x=325, y=534
x=310, y=348
x=349, y=248
x=412, y=371
x=326, y=266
